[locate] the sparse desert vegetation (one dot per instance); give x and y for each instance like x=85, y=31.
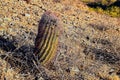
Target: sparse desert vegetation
x=88, y=47
x=109, y=7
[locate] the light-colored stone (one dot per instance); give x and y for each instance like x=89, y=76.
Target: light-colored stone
x=27, y=15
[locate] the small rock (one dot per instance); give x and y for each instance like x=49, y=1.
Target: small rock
x=27, y=15
x=3, y=25
x=111, y=71
x=10, y=30
x=74, y=70
x=7, y=19
x=41, y=78
x=1, y=20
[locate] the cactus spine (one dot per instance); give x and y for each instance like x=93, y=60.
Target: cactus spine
x=47, y=38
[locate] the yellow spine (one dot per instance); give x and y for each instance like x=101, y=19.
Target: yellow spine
x=47, y=38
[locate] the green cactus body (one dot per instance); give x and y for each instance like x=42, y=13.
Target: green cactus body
x=47, y=38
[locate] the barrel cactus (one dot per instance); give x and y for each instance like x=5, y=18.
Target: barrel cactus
x=47, y=38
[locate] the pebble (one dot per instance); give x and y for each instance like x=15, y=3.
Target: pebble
x=41, y=78
x=111, y=71
x=71, y=36
x=3, y=25
x=7, y=19
x=74, y=70
x=27, y=15
x=1, y=20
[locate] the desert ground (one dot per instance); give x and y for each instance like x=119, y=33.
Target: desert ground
x=88, y=49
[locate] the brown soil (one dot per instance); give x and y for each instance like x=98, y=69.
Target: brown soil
x=89, y=46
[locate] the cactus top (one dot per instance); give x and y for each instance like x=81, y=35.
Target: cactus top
x=48, y=17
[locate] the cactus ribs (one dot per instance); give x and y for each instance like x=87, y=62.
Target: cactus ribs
x=47, y=38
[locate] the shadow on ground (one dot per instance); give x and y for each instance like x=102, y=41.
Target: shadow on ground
x=6, y=45
x=104, y=7
x=103, y=55
x=21, y=58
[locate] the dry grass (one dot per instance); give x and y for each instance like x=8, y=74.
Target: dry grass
x=87, y=50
